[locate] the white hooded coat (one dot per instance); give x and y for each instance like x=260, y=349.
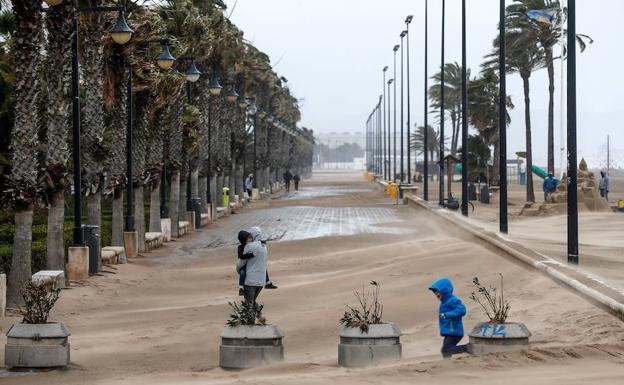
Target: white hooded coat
x=256, y=266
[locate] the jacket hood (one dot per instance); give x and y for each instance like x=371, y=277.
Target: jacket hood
x=256, y=233
x=444, y=286
x=242, y=237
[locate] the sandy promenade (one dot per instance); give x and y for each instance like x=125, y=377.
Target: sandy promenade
x=157, y=319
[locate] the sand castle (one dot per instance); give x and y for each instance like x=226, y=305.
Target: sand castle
x=588, y=196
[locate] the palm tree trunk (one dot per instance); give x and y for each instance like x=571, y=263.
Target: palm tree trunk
x=20, y=272
x=55, y=242
x=174, y=207
x=183, y=199
x=154, y=222
x=118, y=218
x=203, y=193
x=551, y=109
x=94, y=210
x=139, y=215
x=530, y=194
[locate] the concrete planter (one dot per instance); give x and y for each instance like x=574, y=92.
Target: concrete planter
x=489, y=337
x=37, y=346
x=381, y=344
x=245, y=347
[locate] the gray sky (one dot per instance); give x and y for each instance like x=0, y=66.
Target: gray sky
x=333, y=53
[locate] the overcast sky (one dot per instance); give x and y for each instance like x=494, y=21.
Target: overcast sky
x=333, y=52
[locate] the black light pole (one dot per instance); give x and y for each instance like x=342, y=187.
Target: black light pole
x=502, y=120
x=426, y=133
x=121, y=34
x=129, y=143
x=408, y=20
x=389, y=133
x=441, y=162
x=402, y=35
x=464, y=118
x=214, y=89
x=385, y=151
x=255, y=151
x=394, y=178
x=573, y=249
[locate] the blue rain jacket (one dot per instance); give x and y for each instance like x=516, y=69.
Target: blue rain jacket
x=452, y=308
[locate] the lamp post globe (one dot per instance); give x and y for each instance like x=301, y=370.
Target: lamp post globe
x=192, y=73
x=232, y=95
x=243, y=103
x=165, y=60
x=121, y=33
x=253, y=109
x=214, y=87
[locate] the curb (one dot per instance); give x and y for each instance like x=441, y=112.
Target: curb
x=552, y=268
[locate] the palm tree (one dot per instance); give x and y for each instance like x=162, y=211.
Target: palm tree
x=58, y=80
x=418, y=142
x=547, y=35
x=483, y=110
x=452, y=96
x=23, y=180
x=524, y=56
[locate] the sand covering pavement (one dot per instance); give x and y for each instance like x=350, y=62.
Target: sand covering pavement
x=157, y=319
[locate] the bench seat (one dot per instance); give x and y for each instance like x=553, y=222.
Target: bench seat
x=153, y=240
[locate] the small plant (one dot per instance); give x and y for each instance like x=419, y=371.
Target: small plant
x=246, y=314
x=494, y=305
x=368, y=311
x=38, y=302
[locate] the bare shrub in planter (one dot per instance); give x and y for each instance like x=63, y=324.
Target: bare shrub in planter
x=246, y=314
x=496, y=335
x=35, y=342
x=365, y=339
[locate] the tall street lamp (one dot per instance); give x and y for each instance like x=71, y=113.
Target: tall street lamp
x=573, y=248
x=385, y=147
x=408, y=20
x=402, y=35
x=390, y=81
x=395, y=49
x=502, y=120
x=214, y=88
x=464, y=118
x=426, y=133
x=121, y=34
x=441, y=157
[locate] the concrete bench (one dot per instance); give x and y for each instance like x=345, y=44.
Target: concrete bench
x=153, y=240
x=51, y=279
x=221, y=212
x=205, y=219
x=120, y=253
x=108, y=257
x=183, y=228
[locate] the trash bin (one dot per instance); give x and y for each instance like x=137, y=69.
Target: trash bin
x=92, y=240
x=472, y=192
x=484, y=195
x=196, y=202
x=393, y=190
x=226, y=197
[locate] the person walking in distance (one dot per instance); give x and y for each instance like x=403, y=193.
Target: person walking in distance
x=287, y=178
x=550, y=185
x=249, y=184
x=604, y=185
x=296, y=179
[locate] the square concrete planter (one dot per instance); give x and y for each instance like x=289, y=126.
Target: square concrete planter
x=381, y=344
x=488, y=337
x=37, y=346
x=244, y=347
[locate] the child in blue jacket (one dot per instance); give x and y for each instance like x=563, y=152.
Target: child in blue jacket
x=450, y=318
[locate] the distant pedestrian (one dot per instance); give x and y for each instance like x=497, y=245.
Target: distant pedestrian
x=604, y=185
x=550, y=185
x=249, y=184
x=450, y=318
x=287, y=178
x=296, y=179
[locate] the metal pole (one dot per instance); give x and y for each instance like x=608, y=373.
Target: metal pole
x=208, y=173
x=409, y=109
x=78, y=237
x=189, y=202
x=129, y=144
x=395, y=118
x=441, y=163
x=255, y=151
x=164, y=210
x=502, y=121
x=464, y=118
x=389, y=133
x=608, y=155
x=402, y=81
x=426, y=133
x=573, y=248
x=385, y=152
